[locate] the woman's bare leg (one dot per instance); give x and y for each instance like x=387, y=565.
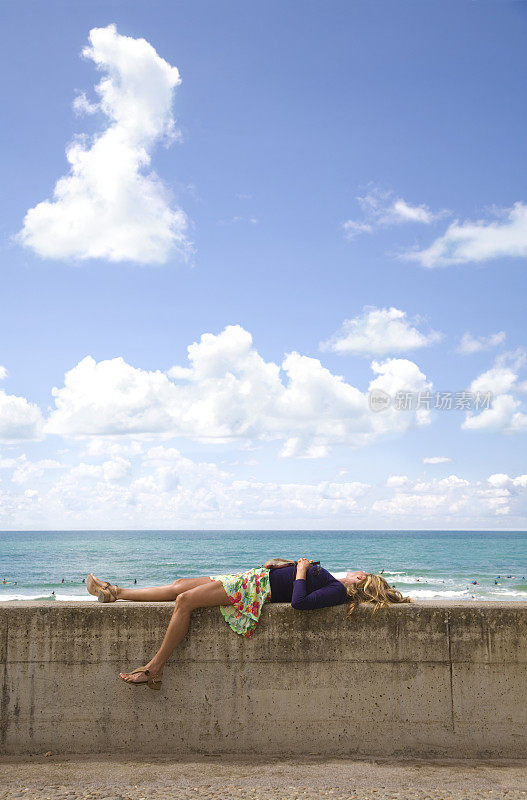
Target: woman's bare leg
x=161, y=593
x=202, y=596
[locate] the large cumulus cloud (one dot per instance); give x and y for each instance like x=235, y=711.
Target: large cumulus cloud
x=110, y=204
x=229, y=391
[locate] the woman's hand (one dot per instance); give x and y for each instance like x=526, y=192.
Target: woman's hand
x=302, y=567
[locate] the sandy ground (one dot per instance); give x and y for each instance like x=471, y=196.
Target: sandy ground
x=306, y=778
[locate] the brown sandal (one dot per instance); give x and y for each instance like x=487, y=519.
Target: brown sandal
x=153, y=681
x=104, y=591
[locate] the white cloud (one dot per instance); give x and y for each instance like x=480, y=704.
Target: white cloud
x=236, y=220
x=399, y=375
x=479, y=241
x=229, y=392
x=81, y=472
x=11, y=461
x=379, y=331
x=165, y=488
x=19, y=419
x=352, y=228
x=116, y=469
x=109, y=446
x=296, y=446
x=505, y=413
x=436, y=460
x=109, y=205
x=502, y=376
x=29, y=471
x=81, y=105
x=401, y=211
x=381, y=209
x=474, y=344
x=500, y=481
x=397, y=480
x=110, y=398
x=456, y=498
x=162, y=488
x=503, y=416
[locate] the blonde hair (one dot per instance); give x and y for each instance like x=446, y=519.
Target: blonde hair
x=374, y=590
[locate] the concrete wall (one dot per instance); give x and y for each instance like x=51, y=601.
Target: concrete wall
x=416, y=680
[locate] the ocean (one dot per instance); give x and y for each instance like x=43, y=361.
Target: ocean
x=423, y=564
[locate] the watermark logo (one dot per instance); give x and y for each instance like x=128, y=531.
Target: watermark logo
x=380, y=400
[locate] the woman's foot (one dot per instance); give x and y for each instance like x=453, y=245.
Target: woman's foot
x=142, y=675
x=103, y=590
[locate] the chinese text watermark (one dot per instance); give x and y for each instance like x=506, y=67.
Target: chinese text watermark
x=380, y=400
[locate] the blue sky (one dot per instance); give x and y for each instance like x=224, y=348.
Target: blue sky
x=315, y=163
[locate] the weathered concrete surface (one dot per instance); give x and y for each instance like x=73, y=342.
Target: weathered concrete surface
x=415, y=680
x=256, y=778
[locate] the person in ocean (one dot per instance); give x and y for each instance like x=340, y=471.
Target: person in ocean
x=240, y=598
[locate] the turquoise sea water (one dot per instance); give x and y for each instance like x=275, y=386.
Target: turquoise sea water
x=423, y=564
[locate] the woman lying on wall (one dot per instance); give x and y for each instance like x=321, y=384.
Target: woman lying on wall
x=240, y=598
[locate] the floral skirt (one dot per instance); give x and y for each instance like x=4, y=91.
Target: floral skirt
x=247, y=592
